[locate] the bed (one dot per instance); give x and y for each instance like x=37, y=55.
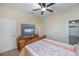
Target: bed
x=47, y=47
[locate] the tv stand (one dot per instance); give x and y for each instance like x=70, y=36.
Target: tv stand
x=23, y=40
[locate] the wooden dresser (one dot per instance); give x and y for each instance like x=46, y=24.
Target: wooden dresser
x=22, y=40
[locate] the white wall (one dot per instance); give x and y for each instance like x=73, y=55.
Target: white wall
x=56, y=26
x=21, y=17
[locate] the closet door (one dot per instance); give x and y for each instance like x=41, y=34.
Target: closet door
x=7, y=35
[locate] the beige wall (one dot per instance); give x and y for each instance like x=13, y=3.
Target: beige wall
x=56, y=26
x=21, y=17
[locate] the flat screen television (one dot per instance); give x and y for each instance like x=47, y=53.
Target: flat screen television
x=27, y=29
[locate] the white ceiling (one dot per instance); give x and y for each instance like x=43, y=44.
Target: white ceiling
x=28, y=7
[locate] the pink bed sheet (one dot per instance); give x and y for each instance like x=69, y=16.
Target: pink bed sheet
x=47, y=47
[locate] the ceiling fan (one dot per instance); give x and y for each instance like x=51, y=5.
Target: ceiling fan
x=44, y=7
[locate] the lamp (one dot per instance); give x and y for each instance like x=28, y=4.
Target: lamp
x=43, y=9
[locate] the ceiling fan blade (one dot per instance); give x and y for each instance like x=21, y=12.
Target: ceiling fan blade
x=50, y=4
x=49, y=10
x=35, y=9
x=42, y=12
x=44, y=4
x=40, y=4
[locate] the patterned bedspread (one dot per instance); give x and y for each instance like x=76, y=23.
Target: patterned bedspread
x=48, y=47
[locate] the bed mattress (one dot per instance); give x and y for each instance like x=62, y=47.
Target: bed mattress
x=47, y=47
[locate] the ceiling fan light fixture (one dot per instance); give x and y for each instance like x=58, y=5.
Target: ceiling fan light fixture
x=43, y=9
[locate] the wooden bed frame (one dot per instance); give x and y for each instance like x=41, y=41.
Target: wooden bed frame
x=25, y=52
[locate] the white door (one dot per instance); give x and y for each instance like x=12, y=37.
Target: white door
x=7, y=35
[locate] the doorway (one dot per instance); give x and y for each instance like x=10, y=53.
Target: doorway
x=73, y=32
x=7, y=35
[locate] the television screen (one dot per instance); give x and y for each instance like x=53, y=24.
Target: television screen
x=29, y=31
